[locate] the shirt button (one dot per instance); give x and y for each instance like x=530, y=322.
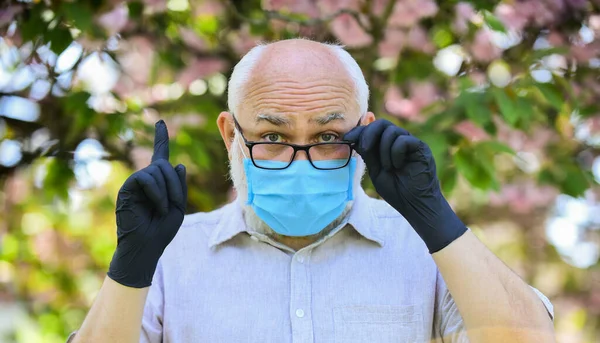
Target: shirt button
x=299, y=313
x=300, y=259
x=254, y=238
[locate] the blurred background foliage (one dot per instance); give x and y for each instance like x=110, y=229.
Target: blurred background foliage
x=507, y=94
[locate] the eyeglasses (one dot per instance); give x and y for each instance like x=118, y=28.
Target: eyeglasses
x=277, y=155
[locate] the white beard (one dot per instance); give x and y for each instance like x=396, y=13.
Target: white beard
x=253, y=222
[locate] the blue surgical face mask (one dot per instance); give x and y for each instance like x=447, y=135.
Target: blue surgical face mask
x=299, y=200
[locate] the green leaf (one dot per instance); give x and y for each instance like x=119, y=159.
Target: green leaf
x=83, y=116
x=473, y=167
x=136, y=8
x=60, y=38
x=589, y=111
x=206, y=24
x=493, y=147
x=490, y=127
x=576, y=182
x=448, y=180
x=507, y=107
x=541, y=53
x=552, y=94
x=414, y=65
x=78, y=13
x=493, y=22
x=442, y=36
x=476, y=109
x=58, y=176
x=438, y=145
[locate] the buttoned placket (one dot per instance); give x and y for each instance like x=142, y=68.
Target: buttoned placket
x=300, y=297
x=300, y=285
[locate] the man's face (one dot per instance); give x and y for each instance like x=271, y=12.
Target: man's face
x=297, y=96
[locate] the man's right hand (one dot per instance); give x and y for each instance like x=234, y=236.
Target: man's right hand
x=150, y=209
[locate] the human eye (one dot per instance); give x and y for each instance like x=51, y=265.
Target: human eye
x=272, y=138
x=328, y=137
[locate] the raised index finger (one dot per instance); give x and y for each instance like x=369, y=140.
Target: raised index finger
x=161, y=141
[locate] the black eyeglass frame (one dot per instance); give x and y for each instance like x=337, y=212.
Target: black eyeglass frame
x=296, y=147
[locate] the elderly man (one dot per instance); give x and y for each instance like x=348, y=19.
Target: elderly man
x=303, y=254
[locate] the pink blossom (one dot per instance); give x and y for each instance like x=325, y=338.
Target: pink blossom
x=199, y=69
x=471, y=131
x=115, y=20
x=397, y=105
x=594, y=23
x=306, y=7
x=419, y=40
x=425, y=8
x=349, y=32
x=423, y=93
x=155, y=6
x=464, y=12
x=584, y=53
x=392, y=43
x=136, y=59
x=511, y=17
x=279, y=25
x=329, y=7
x=378, y=6
x=209, y=7
x=7, y=14
x=594, y=125
x=192, y=39
x=140, y=157
x=556, y=38
x=479, y=78
x=482, y=48
x=524, y=196
x=242, y=40
x=404, y=15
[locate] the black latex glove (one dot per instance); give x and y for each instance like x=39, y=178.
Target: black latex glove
x=150, y=209
x=403, y=172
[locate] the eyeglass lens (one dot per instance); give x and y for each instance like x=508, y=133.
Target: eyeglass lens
x=323, y=156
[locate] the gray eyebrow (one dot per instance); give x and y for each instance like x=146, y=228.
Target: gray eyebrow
x=326, y=119
x=275, y=120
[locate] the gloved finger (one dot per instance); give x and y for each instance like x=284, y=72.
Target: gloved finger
x=354, y=134
x=385, y=146
x=161, y=141
x=173, y=184
x=403, y=147
x=148, y=185
x=162, y=186
x=371, y=137
x=181, y=172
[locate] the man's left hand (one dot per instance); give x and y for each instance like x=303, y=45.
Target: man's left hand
x=403, y=172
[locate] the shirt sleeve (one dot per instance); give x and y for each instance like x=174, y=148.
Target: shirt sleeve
x=152, y=320
x=448, y=325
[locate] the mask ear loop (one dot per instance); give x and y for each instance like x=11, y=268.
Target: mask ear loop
x=240, y=143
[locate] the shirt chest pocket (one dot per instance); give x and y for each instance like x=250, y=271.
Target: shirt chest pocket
x=382, y=324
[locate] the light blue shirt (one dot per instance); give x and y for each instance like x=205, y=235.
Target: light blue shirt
x=370, y=280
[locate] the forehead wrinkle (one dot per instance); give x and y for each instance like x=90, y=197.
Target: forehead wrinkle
x=272, y=91
x=266, y=85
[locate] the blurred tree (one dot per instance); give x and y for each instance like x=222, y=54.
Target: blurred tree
x=506, y=93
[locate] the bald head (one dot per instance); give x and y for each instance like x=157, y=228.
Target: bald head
x=301, y=60
x=294, y=64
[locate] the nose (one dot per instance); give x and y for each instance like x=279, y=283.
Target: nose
x=301, y=156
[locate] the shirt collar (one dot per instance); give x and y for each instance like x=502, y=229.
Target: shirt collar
x=363, y=219
x=231, y=223
x=360, y=217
